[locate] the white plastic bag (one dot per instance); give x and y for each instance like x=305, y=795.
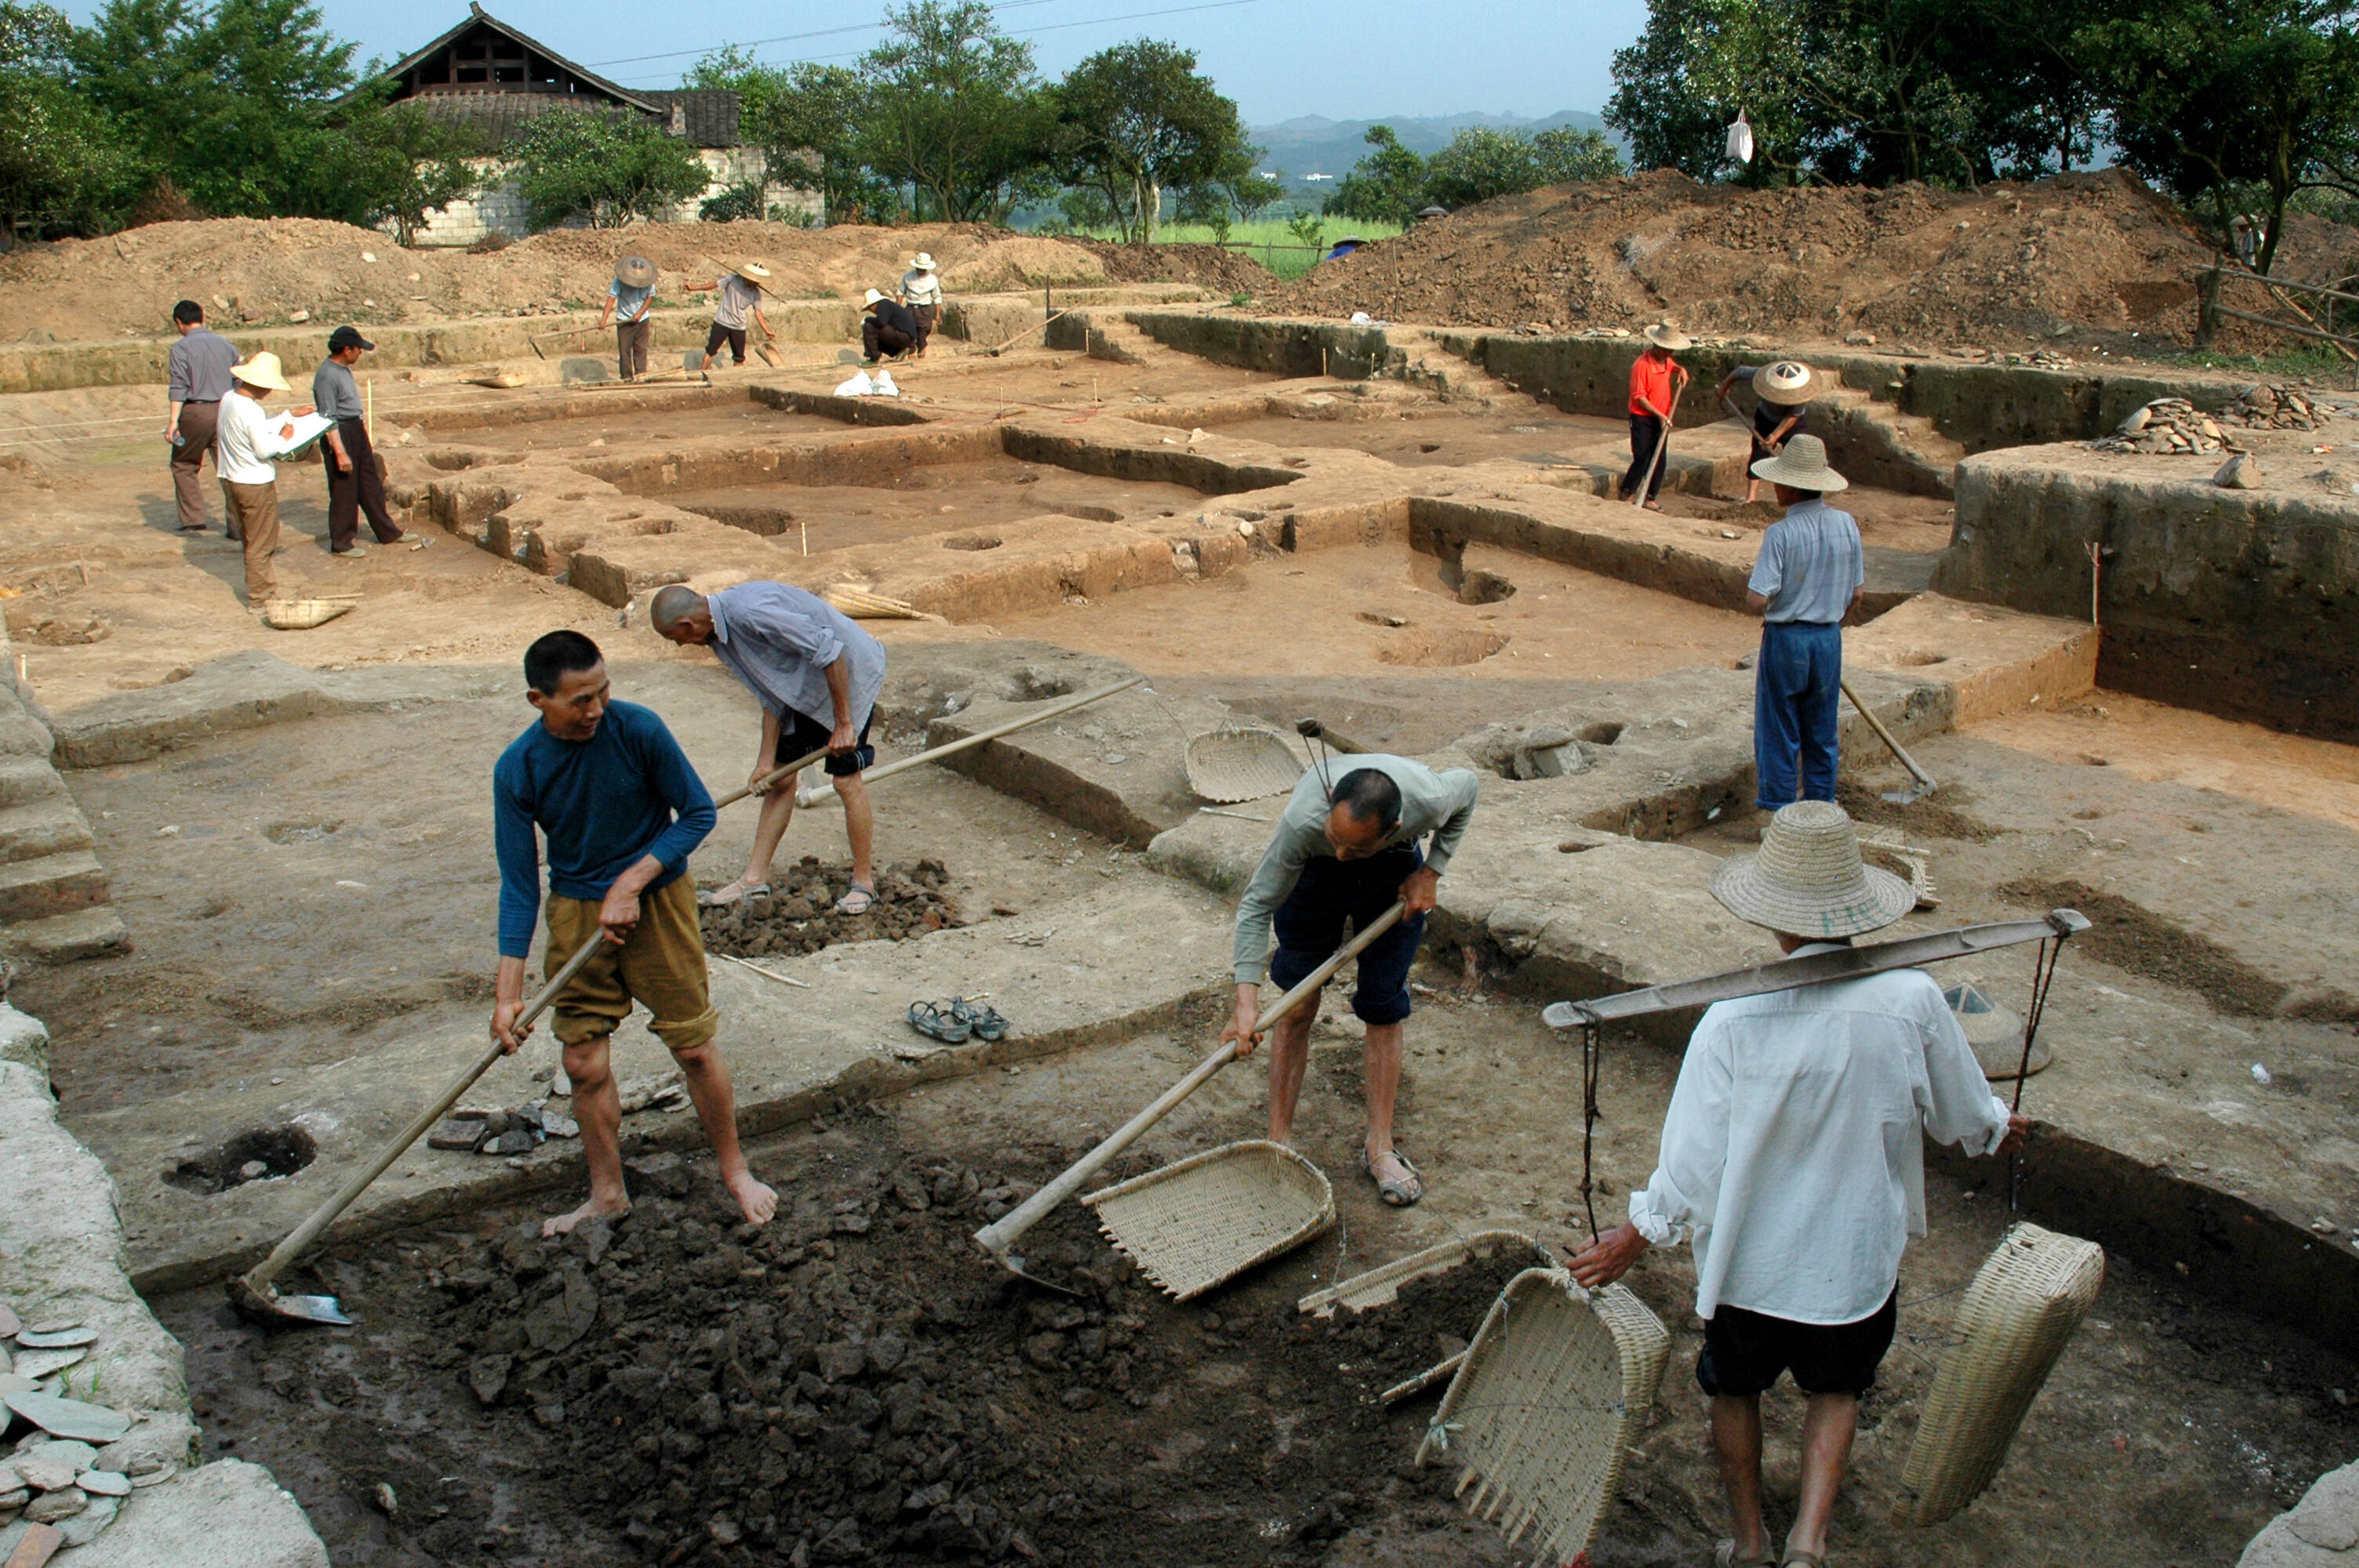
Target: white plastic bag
x=1740, y=139
x=883, y=386
x=858, y=386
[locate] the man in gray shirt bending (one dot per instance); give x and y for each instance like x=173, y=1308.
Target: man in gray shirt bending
x=198, y=367
x=815, y=674
x=1806, y=580
x=354, y=486
x=1343, y=851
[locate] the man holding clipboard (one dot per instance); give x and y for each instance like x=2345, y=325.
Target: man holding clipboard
x=248, y=442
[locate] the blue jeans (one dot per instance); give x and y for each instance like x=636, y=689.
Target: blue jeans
x=1309, y=926
x=1797, y=688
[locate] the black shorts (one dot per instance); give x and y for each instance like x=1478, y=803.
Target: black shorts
x=1309, y=926
x=808, y=735
x=733, y=336
x=1744, y=1352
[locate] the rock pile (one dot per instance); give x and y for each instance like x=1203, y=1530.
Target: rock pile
x=2167, y=425
x=518, y=1130
x=56, y=1475
x=797, y=915
x=2263, y=406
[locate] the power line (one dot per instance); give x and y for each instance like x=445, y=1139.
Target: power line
x=784, y=38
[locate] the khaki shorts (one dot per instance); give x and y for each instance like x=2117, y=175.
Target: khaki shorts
x=661, y=968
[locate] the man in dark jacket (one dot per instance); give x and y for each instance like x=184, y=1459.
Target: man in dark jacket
x=886, y=328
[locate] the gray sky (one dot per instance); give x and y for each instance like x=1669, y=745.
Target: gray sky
x=1347, y=59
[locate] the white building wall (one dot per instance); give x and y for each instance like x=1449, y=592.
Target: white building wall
x=499, y=206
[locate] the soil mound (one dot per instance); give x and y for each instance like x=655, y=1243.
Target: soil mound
x=851, y=1384
x=251, y=271
x=2006, y=263
x=1208, y=266
x=796, y=916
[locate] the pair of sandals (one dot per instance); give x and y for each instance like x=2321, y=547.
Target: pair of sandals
x=859, y=900
x=954, y=1022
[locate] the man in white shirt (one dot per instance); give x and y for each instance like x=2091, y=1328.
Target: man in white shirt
x=922, y=291
x=1793, y=1160
x=246, y=441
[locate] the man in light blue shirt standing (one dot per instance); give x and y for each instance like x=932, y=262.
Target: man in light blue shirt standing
x=815, y=674
x=1808, y=577
x=626, y=307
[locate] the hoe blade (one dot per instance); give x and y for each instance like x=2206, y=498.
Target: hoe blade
x=267, y=1306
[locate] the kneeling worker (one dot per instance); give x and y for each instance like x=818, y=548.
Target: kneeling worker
x=622, y=810
x=1793, y=1157
x=1341, y=853
x=887, y=329
x=815, y=674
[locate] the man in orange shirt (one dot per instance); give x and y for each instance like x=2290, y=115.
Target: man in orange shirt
x=1656, y=381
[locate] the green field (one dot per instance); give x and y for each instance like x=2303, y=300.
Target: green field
x=1270, y=242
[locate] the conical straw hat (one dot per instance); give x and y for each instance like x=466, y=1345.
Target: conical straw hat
x=262, y=371
x=1808, y=879
x=635, y=272
x=1801, y=465
x=1785, y=384
x=1663, y=335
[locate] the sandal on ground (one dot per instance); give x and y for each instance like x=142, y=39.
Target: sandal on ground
x=355, y=553
x=1724, y=1556
x=983, y=1020
x=930, y=1019
x=1398, y=1194
x=859, y=900
x=728, y=893
x=1798, y=1558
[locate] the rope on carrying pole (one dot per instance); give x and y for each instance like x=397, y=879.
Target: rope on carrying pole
x=2043, y=975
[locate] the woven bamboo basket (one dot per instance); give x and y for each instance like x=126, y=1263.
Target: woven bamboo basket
x=862, y=605
x=1540, y=1415
x=1381, y=1285
x=1241, y=763
x=2017, y=1318
x=302, y=614
x=1208, y=1218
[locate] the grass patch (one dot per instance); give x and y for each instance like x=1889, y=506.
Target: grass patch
x=1268, y=240
x=2315, y=360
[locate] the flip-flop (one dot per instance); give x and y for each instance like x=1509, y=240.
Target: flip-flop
x=1724, y=1556
x=859, y=900
x=1400, y=1194
x=728, y=893
x=983, y=1020
x=930, y=1019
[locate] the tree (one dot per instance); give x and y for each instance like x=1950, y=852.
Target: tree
x=1137, y=119
x=952, y=110
x=391, y=163
x=1480, y=163
x=1252, y=194
x=608, y=168
x=1567, y=157
x=2216, y=98
x=62, y=165
x=1385, y=186
x=1657, y=105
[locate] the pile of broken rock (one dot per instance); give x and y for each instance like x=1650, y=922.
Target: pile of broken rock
x=2165, y=425
x=2265, y=408
x=55, y=1477
x=518, y=1130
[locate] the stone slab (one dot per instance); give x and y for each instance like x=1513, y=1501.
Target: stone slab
x=216, y=1515
x=2320, y=1532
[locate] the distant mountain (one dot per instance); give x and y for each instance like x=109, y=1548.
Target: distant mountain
x=1312, y=144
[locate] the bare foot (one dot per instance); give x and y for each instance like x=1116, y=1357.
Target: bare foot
x=597, y=1208
x=758, y=1201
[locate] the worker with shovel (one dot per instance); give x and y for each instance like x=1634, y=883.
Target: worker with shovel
x=1347, y=851
x=622, y=809
x=741, y=296
x=1656, y=381
x=1781, y=408
x=1808, y=576
x=815, y=674
x=1793, y=1160
x=627, y=306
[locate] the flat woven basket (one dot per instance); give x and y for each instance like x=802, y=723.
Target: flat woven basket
x=302, y=614
x=1381, y=1284
x=2016, y=1319
x=1541, y=1414
x=1241, y=763
x=1208, y=1218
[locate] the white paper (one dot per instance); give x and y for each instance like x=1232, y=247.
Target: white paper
x=301, y=432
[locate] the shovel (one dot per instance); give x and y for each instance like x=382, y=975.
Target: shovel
x=254, y=1296
x=1924, y=785
x=821, y=793
x=1035, y=326
x=552, y=337
x=1002, y=1234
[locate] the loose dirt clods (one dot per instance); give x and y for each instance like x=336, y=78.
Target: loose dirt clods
x=797, y=915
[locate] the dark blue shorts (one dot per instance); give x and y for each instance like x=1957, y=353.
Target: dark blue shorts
x=1309, y=927
x=1744, y=1352
x=809, y=735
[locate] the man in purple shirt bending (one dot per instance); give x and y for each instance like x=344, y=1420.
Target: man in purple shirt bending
x=622, y=810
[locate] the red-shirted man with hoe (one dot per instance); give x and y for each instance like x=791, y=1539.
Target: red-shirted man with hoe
x=1656, y=381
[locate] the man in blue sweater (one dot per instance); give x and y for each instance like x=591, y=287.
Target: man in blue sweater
x=622, y=810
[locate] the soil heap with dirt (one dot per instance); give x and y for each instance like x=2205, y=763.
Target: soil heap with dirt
x=853, y=1384
x=1208, y=266
x=2008, y=262
x=797, y=915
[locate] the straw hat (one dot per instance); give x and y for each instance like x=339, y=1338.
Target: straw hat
x=1786, y=383
x=635, y=272
x=262, y=371
x=1663, y=335
x=871, y=297
x=923, y=261
x=754, y=273
x=1802, y=465
x=1808, y=879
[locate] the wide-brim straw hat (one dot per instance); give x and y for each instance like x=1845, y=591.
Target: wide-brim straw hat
x=871, y=297
x=1802, y=464
x=262, y=371
x=1808, y=879
x=1663, y=335
x=1785, y=384
x=923, y=261
x=635, y=272
x=754, y=273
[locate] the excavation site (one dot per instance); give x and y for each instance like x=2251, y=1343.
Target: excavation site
x=296, y=1267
